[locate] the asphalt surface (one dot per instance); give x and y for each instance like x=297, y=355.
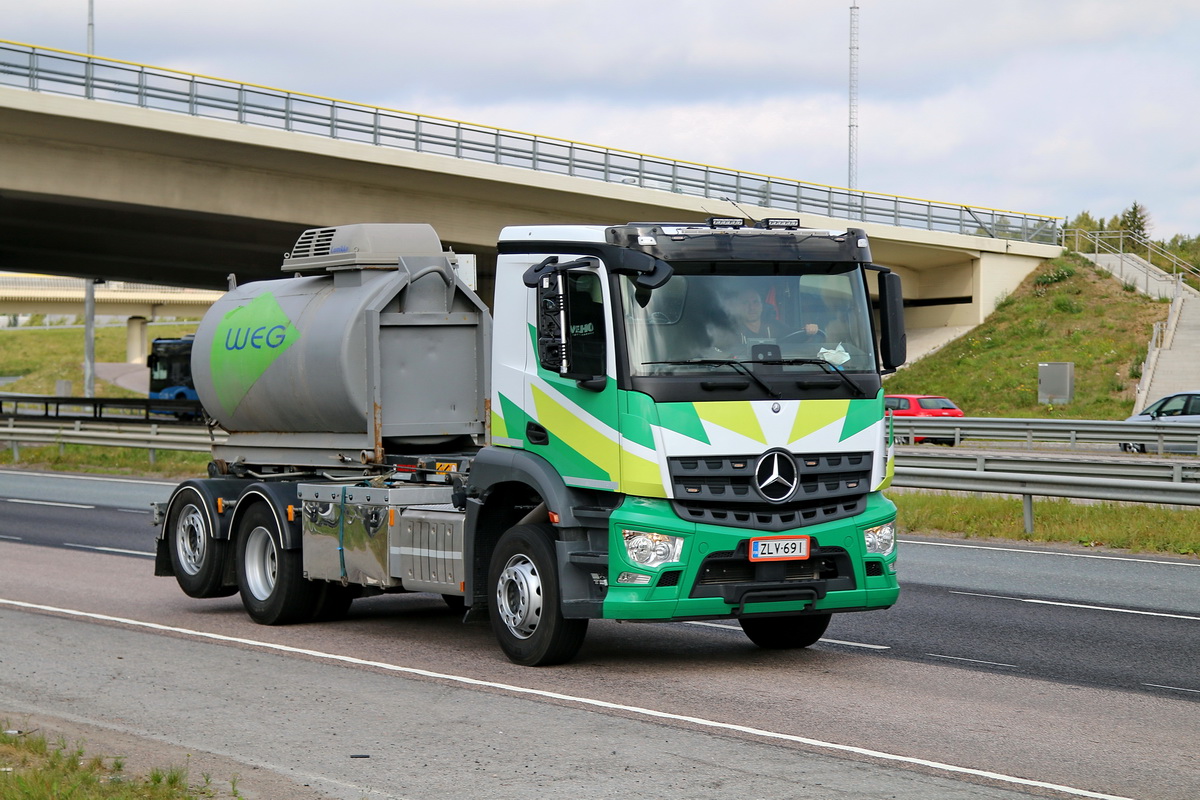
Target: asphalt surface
x=1004, y=671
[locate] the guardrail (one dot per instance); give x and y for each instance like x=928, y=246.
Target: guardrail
x=151, y=437
x=1159, y=436
x=43, y=69
x=1136, y=480
x=1077, y=479
x=96, y=408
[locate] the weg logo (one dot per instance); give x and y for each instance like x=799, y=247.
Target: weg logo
x=246, y=343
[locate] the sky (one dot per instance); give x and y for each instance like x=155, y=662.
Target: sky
x=1040, y=106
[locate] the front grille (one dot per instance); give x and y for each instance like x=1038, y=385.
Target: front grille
x=770, y=518
x=721, y=491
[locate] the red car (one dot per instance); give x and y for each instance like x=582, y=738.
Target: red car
x=922, y=405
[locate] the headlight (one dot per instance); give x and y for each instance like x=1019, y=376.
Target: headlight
x=652, y=549
x=881, y=540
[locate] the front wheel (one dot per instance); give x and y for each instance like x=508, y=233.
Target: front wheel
x=197, y=557
x=524, y=602
x=785, y=633
x=270, y=578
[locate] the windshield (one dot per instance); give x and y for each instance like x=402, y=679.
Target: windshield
x=768, y=313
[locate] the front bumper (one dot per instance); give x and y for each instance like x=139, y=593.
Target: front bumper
x=716, y=579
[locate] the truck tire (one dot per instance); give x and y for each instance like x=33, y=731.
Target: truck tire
x=270, y=578
x=197, y=559
x=785, y=633
x=524, y=602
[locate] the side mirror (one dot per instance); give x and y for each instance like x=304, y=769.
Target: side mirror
x=893, y=341
x=649, y=272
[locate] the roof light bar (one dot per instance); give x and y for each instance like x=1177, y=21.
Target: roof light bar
x=779, y=224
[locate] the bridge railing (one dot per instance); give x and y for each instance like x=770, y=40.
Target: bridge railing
x=48, y=70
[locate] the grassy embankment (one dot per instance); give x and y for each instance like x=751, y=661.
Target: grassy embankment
x=33, y=768
x=1066, y=311
x=44, y=356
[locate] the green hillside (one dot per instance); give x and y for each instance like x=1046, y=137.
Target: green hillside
x=1067, y=310
x=42, y=356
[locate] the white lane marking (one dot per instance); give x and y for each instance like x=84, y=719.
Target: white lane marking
x=973, y=660
x=1050, y=553
x=583, y=701
x=1079, y=605
x=858, y=644
x=132, y=510
x=1172, y=688
x=11, y=538
x=48, y=503
x=39, y=475
x=826, y=641
x=108, y=549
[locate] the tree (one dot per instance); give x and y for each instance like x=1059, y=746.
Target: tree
x=1084, y=221
x=1136, y=220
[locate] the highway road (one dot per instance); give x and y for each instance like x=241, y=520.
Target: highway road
x=1007, y=670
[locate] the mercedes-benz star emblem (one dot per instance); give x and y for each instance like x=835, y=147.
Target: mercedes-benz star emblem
x=775, y=475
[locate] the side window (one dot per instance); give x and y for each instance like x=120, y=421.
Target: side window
x=1174, y=406
x=1194, y=404
x=892, y=403
x=585, y=320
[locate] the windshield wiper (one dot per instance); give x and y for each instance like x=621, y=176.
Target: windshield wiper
x=823, y=364
x=738, y=366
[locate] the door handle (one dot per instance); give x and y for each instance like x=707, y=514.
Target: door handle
x=536, y=434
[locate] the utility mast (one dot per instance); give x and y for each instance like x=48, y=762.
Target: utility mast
x=852, y=180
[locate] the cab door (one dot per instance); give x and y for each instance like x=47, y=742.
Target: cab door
x=572, y=395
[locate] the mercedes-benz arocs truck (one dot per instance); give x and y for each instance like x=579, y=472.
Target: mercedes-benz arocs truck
x=656, y=422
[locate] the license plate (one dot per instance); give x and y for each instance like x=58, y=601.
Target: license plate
x=779, y=548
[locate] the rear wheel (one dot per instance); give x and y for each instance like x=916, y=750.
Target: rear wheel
x=524, y=602
x=270, y=578
x=197, y=559
x=785, y=633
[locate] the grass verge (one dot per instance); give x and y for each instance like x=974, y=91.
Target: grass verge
x=123, y=461
x=33, y=768
x=1125, y=526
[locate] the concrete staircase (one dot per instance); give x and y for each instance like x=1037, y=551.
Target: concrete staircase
x=1140, y=273
x=1173, y=358
x=1177, y=365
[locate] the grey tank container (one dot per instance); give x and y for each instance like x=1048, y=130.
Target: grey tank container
x=386, y=352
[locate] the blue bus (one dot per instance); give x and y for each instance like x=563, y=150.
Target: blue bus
x=170, y=363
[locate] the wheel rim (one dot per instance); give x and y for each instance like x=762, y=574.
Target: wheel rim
x=191, y=539
x=262, y=563
x=519, y=596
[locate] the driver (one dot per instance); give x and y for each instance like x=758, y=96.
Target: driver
x=746, y=309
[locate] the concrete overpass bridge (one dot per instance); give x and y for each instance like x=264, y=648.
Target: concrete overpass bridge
x=123, y=171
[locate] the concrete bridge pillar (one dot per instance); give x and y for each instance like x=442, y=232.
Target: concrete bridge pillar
x=136, y=345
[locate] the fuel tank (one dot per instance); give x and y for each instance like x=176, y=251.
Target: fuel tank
x=375, y=344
